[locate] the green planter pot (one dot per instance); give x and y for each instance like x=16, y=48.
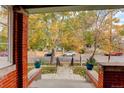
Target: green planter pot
x=89, y=66
x=37, y=64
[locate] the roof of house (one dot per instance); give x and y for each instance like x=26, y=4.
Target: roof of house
x=62, y=8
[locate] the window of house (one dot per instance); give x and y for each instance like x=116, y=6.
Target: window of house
x=5, y=36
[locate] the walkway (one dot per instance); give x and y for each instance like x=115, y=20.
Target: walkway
x=64, y=78
x=64, y=73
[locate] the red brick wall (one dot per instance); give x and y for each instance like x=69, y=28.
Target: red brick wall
x=100, y=77
x=19, y=77
x=9, y=81
x=109, y=77
x=20, y=46
x=114, y=78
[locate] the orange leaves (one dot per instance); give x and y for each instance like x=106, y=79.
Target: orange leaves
x=54, y=27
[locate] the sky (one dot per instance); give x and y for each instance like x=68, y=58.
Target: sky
x=120, y=15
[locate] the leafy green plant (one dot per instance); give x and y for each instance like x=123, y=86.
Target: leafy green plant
x=79, y=70
x=91, y=61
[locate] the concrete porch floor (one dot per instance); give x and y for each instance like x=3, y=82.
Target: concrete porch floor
x=48, y=83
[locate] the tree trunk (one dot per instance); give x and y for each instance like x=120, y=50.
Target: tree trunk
x=110, y=39
x=63, y=50
x=93, y=53
x=109, y=57
x=52, y=56
x=57, y=62
x=72, y=61
x=80, y=60
x=95, y=47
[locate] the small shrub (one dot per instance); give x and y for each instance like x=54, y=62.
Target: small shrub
x=91, y=61
x=79, y=70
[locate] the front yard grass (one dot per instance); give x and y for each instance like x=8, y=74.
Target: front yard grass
x=46, y=69
x=79, y=70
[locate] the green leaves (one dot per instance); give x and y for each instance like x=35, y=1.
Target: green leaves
x=64, y=29
x=91, y=61
x=89, y=39
x=122, y=32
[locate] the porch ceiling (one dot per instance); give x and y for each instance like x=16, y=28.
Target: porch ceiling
x=62, y=8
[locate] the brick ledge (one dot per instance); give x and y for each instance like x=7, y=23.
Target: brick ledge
x=33, y=74
x=7, y=70
x=93, y=75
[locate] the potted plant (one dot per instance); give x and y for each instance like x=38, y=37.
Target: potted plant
x=90, y=63
x=37, y=63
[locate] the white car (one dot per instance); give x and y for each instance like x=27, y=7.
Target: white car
x=69, y=53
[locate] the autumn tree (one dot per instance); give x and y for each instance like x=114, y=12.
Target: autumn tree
x=97, y=29
x=37, y=33
x=110, y=35
x=64, y=29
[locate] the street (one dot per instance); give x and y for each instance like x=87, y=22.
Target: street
x=99, y=58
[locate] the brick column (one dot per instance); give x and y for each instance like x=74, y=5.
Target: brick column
x=114, y=77
x=111, y=75
x=100, y=77
x=20, y=46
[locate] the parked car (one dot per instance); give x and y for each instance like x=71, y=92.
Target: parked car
x=3, y=54
x=48, y=54
x=114, y=54
x=69, y=53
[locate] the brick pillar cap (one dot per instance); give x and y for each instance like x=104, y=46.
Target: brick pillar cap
x=111, y=63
